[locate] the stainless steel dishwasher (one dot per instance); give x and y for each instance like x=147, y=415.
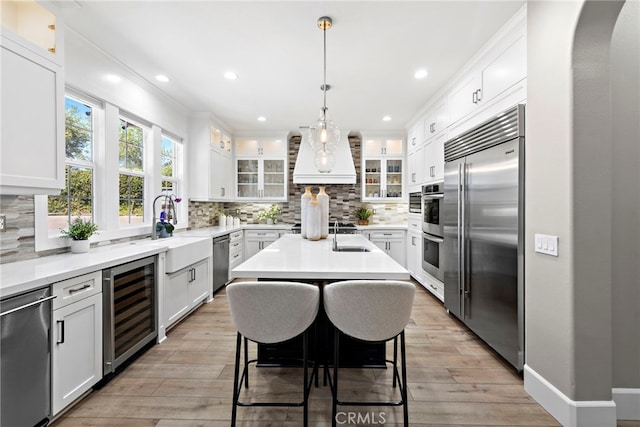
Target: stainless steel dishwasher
x=220, y=261
x=25, y=359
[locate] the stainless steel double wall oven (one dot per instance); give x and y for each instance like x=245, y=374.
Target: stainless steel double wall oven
x=432, y=230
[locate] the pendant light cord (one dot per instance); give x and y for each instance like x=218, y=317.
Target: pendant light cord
x=324, y=85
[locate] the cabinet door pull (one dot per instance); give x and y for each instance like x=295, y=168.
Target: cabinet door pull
x=479, y=95
x=60, y=324
x=413, y=240
x=388, y=234
x=413, y=177
x=82, y=288
x=222, y=191
x=474, y=97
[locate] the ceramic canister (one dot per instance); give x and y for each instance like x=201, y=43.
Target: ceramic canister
x=323, y=198
x=304, y=201
x=314, y=218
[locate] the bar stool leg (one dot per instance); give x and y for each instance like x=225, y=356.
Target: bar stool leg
x=236, y=373
x=395, y=359
x=246, y=363
x=403, y=388
x=334, y=391
x=305, y=381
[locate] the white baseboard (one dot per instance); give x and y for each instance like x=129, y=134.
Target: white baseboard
x=570, y=413
x=627, y=403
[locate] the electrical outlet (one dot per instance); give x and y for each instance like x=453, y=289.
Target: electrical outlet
x=3, y=223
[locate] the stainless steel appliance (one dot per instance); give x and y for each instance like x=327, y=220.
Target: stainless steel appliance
x=483, y=232
x=25, y=359
x=433, y=255
x=432, y=196
x=220, y=261
x=415, y=202
x=130, y=315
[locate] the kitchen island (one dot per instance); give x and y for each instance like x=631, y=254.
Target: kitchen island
x=293, y=258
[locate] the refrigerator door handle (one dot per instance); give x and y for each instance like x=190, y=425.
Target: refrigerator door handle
x=466, y=292
x=460, y=236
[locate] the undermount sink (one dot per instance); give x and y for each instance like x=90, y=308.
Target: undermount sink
x=351, y=249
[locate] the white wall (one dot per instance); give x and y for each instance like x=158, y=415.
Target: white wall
x=625, y=69
x=86, y=68
x=583, y=157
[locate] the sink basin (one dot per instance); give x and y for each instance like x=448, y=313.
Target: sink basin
x=184, y=251
x=351, y=249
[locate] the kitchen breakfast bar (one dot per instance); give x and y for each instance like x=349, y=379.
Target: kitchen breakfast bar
x=292, y=258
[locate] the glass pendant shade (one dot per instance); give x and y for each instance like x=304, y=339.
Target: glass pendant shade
x=324, y=160
x=324, y=134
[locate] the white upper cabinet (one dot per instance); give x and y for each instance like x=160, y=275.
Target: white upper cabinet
x=261, y=168
x=437, y=120
x=210, y=160
x=32, y=109
x=383, y=168
x=497, y=81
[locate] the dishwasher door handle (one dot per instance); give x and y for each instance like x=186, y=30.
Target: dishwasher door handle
x=31, y=304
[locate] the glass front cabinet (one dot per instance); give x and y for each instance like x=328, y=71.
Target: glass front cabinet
x=261, y=169
x=383, y=169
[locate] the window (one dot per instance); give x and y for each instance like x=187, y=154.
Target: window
x=169, y=151
x=77, y=197
x=131, y=176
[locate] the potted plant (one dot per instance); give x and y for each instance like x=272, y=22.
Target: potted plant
x=164, y=228
x=271, y=214
x=79, y=232
x=363, y=214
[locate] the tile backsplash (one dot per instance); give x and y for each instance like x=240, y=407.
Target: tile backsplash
x=344, y=198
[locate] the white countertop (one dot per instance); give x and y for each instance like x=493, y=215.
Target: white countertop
x=22, y=276
x=292, y=257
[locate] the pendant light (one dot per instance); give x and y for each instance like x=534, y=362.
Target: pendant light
x=324, y=135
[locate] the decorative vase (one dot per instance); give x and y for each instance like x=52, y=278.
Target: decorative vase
x=314, y=218
x=323, y=198
x=304, y=201
x=79, y=246
x=222, y=220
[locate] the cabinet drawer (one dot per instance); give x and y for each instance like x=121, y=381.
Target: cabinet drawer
x=235, y=246
x=434, y=286
x=235, y=236
x=263, y=234
x=77, y=288
x=235, y=260
x=386, y=234
x=415, y=224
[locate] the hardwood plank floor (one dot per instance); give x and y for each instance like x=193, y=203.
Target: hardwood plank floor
x=186, y=381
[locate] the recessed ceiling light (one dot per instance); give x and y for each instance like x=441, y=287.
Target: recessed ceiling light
x=421, y=74
x=386, y=118
x=113, y=78
x=262, y=119
x=162, y=78
x=230, y=75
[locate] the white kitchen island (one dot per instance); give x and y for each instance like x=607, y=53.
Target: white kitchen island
x=296, y=259
x=293, y=258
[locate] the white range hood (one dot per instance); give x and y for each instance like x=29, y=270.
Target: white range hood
x=344, y=171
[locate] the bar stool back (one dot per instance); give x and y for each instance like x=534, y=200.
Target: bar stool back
x=373, y=311
x=268, y=313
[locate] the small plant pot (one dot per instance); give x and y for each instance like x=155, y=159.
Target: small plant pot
x=269, y=221
x=363, y=222
x=79, y=246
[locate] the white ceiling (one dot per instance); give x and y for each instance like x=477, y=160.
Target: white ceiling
x=373, y=50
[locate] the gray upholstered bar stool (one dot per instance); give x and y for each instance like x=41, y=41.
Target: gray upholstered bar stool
x=268, y=313
x=373, y=311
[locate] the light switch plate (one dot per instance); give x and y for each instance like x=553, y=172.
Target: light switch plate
x=546, y=244
x=3, y=223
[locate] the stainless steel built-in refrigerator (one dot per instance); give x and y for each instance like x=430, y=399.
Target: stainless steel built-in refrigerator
x=483, y=232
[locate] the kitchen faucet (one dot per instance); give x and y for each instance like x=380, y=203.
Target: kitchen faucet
x=170, y=198
x=335, y=235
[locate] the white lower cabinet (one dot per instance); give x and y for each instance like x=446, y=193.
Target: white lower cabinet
x=414, y=255
x=390, y=241
x=76, y=354
x=257, y=240
x=235, y=250
x=185, y=290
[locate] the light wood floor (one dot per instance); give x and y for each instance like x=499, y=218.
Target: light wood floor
x=454, y=380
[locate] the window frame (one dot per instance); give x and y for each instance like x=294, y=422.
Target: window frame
x=105, y=174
